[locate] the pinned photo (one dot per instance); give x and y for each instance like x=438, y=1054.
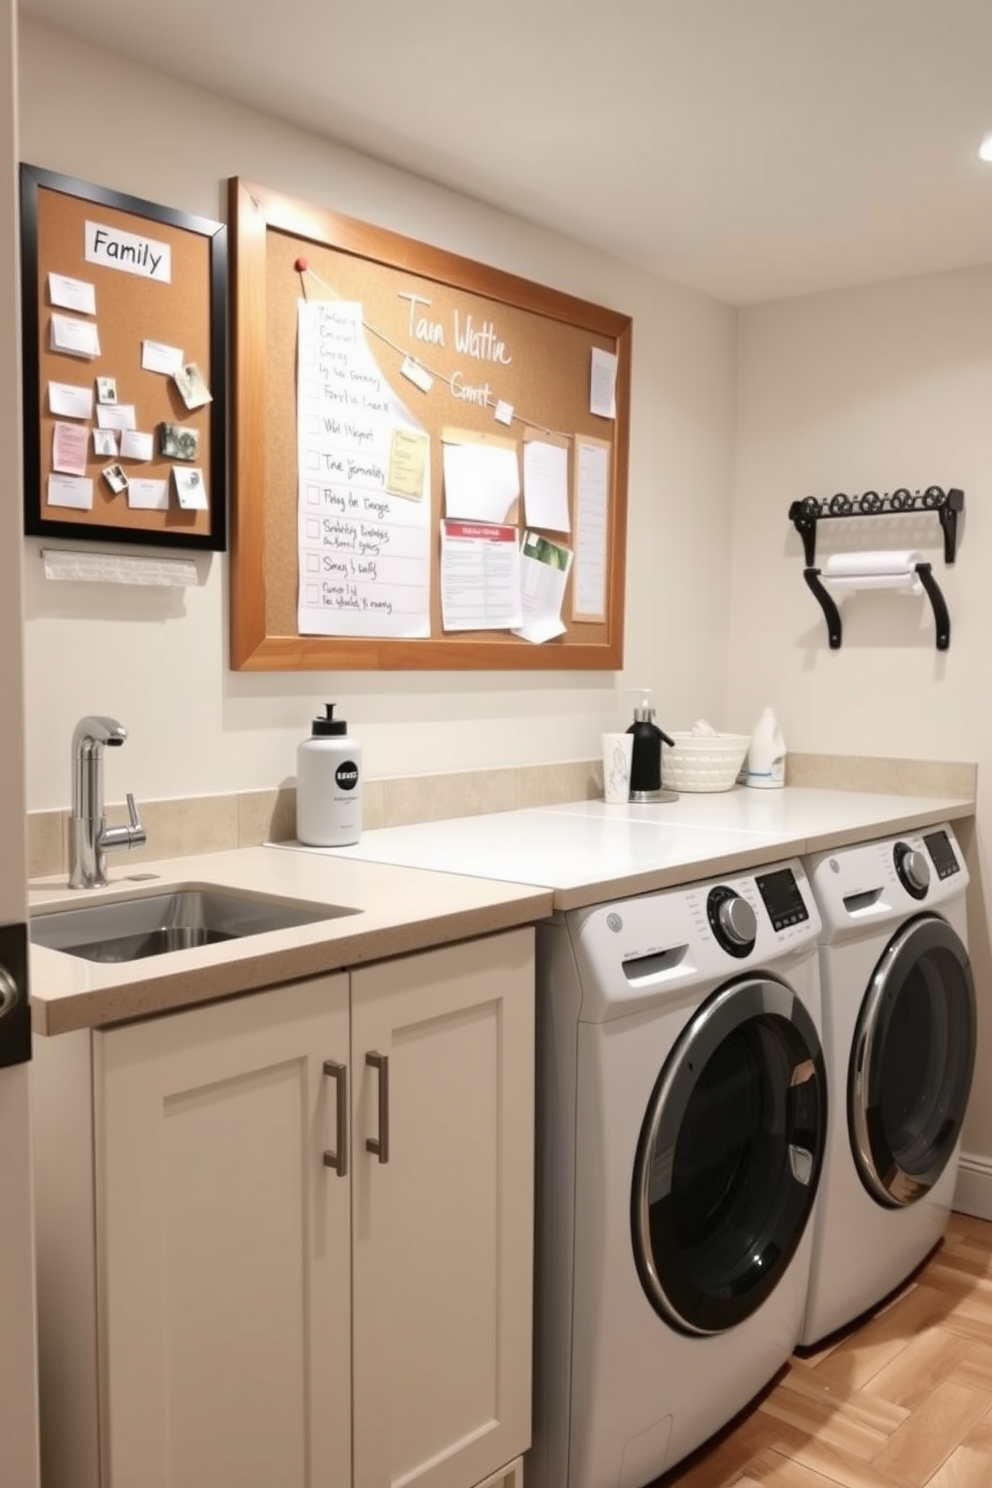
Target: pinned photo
x=105, y=442
x=192, y=388
x=106, y=390
x=176, y=442
x=190, y=488
x=115, y=478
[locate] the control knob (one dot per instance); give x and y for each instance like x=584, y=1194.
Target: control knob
x=913, y=869
x=732, y=919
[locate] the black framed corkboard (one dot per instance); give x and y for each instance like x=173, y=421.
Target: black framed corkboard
x=120, y=299
x=285, y=251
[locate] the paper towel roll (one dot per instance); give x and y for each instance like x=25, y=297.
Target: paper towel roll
x=908, y=581
x=850, y=565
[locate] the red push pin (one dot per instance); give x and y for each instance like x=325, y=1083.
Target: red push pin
x=301, y=265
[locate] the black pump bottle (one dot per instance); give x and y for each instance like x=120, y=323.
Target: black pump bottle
x=645, y=763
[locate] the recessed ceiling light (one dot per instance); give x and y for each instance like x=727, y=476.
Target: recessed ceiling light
x=985, y=148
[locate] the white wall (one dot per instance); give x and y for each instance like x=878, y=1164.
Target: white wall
x=158, y=660
x=867, y=389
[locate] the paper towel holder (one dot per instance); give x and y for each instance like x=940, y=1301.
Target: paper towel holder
x=831, y=613
x=947, y=505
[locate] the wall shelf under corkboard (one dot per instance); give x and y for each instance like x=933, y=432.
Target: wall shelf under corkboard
x=342, y=330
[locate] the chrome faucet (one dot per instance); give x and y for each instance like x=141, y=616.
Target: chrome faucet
x=89, y=835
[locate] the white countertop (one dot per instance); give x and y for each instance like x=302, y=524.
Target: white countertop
x=437, y=882
x=586, y=851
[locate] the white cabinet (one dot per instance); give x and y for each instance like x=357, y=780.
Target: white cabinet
x=261, y=1319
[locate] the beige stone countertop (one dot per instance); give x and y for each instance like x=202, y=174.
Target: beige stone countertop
x=401, y=910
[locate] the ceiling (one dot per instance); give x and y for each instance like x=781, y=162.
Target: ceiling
x=748, y=148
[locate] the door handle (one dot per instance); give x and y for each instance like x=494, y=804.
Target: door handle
x=338, y=1160
x=380, y=1145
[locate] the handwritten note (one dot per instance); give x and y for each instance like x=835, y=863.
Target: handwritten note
x=546, y=484
x=592, y=471
x=364, y=551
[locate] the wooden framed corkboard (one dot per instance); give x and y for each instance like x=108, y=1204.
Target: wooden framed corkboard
x=471, y=356
x=124, y=317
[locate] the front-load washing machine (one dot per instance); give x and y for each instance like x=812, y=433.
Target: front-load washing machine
x=899, y=1037
x=681, y=1126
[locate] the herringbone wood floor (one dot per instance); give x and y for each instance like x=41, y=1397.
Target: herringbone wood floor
x=902, y=1401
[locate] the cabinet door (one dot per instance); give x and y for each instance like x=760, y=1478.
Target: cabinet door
x=224, y=1245
x=442, y=1229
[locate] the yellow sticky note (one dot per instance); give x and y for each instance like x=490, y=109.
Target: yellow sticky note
x=407, y=463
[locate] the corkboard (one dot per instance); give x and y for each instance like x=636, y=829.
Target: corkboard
x=187, y=312
x=285, y=250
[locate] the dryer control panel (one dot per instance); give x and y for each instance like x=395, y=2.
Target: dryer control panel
x=869, y=884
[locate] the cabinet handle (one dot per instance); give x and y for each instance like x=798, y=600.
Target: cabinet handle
x=339, y=1160
x=380, y=1144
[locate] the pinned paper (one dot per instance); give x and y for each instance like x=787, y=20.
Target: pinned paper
x=546, y=484
x=66, y=400
x=480, y=576
x=77, y=337
x=136, y=446
x=116, y=416
x=156, y=356
x=481, y=477
x=603, y=383
x=106, y=390
x=190, y=488
x=544, y=569
x=72, y=294
x=592, y=495
x=105, y=442
x=116, y=478
x=504, y=412
x=408, y=450
x=70, y=490
x=148, y=495
x=418, y=375
x=192, y=388
x=69, y=449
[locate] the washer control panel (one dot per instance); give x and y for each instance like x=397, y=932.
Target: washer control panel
x=942, y=854
x=782, y=897
x=732, y=920
x=912, y=868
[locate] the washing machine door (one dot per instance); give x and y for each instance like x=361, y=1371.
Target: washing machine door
x=912, y=1061
x=729, y=1156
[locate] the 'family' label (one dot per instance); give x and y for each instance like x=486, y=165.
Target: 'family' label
x=122, y=250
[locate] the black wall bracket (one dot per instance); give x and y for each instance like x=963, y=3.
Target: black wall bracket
x=924, y=572
x=947, y=505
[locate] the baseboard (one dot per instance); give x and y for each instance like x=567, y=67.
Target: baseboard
x=973, y=1190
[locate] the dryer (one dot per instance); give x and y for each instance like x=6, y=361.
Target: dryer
x=681, y=1092
x=899, y=1030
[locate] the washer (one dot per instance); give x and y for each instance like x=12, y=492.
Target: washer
x=682, y=1124
x=899, y=1038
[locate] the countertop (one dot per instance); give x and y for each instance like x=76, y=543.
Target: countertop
x=586, y=852
x=437, y=882
x=401, y=910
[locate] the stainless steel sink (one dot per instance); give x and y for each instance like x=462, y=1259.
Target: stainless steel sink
x=154, y=924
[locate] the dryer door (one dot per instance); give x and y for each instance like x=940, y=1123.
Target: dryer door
x=729, y=1156
x=912, y=1061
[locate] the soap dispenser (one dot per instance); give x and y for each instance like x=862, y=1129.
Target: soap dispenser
x=329, y=784
x=645, y=763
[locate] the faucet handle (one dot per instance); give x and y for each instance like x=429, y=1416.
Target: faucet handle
x=132, y=812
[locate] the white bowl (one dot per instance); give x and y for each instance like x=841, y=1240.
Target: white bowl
x=703, y=763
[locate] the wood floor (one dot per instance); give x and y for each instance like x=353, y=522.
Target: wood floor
x=903, y=1401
